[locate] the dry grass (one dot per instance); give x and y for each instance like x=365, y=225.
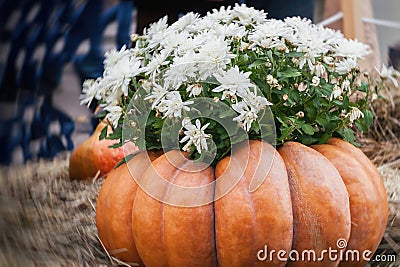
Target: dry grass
x=382, y=143
x=390, y=244
x=382, y=146
x=46, y=219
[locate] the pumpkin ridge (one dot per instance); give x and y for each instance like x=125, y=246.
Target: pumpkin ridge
x=239, y=242
x=250, y=200
x=325, y=197
x=175, y=175
x=364, y=199
x=214, y=227
x=296, y=196
x=362, y=159
x=375, y=177
x=247, y=187
x=232, y=161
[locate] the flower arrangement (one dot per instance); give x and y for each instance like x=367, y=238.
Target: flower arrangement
x=278, y=79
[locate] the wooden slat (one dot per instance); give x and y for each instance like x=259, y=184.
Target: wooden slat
x=352, y=18
x=354, y=28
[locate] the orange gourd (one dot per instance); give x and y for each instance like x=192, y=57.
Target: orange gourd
x=306, y=198
x=95, y=155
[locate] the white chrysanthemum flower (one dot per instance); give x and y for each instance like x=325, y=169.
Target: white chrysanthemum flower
x=246, y=115
x=113, y=56
x=346, y=85
x=229, y=30
x=183, y=69
x=314, y=41
x=89, y=91
x=255, y=102
x=157, y=93
x=194, y=89
x=302, y=87
x=309, y=41
x=157, y=32
x=213, y=57
x=203, y=25
x=270, y=34
x=248, y=15
x=156, y=27
x=298, y=22
x=355, y=114
x=319, y=70
x=173, y=40
x=315, y=81
x=172, y=105
x=185, y=22
x=157, y=61
x=330, y=36
x=189, y=45
x=346, y=65
x=336, y=92
x=351, y=48
x=195, y=135
x=389, y=73
x=114, y=114
x=118, y=76
x=232, y=82
x=223, y=15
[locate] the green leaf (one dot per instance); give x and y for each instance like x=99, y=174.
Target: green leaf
x=286, y=131
x=311, y=113
x=289, y=73
x=308, y=129
x=295, y=54
x=243, y=59
x=337, y=103
x=116, y=145
x=117, y=134
x=325, y=138
x=257, y=63
x=124, y=160
x=269, y=54
x=103, y=133
x=308, y=140
x=363, y=124
x=347, y=134
x=346, y=102
x=322, y=120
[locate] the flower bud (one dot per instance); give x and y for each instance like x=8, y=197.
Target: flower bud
x=300, y=114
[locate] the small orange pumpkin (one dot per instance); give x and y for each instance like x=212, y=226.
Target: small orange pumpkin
x=95, y=155
x=308, y=200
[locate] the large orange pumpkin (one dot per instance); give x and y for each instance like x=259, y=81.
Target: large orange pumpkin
x=95, y=155
x=306, y=199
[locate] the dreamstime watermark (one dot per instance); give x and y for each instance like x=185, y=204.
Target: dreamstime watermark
x=340, y=253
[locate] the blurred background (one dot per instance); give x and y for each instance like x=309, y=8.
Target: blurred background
x=49, y=47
